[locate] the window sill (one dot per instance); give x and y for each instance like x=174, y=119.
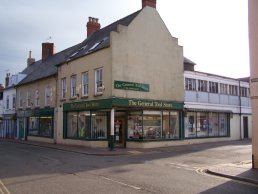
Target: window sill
x=63, y=100
x=98, y=94
x=84, y=97
x=73, y=98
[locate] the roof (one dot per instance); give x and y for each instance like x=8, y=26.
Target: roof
x=45, y=68
x=101, y=38
x=188, y=61
x=98, y=40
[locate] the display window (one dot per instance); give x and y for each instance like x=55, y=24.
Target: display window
x=170, y=125
x=135, y=125
x=152, y=125
x=40, y=126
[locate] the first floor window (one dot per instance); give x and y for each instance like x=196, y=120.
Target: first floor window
x=7, y=102
x=98, y=81
x=85, y=84
x=223, y=88
x=73, y=86
x=233, y=90
x=48, y=95
x=213, y=87
x=190, y=84
x=202, y=85
x=37, y=98
x=28, y=99
x=14, y=101
x=20, y=100
x=63, y=88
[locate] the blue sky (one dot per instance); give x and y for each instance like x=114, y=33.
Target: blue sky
x=213, y=33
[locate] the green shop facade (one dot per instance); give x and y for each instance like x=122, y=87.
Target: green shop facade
x=35, y=123
x=121, y=120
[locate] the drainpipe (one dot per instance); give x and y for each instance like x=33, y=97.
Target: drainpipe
x=240, y=110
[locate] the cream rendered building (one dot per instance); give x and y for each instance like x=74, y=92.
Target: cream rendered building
x=123, y=85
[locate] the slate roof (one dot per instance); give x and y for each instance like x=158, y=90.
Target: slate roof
x=188, y=61
x=98, y=40
x=101, y=38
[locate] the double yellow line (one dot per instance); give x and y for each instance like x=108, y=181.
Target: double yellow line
x=3, y=189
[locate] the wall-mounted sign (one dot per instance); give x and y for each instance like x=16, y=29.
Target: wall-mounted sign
x=122, y=85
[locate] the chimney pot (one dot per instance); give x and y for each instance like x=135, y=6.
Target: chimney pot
x=30, y=60
x=92, y=26
x=47, y=50
x=150, y=3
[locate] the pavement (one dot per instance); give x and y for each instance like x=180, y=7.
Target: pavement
x=241, y=171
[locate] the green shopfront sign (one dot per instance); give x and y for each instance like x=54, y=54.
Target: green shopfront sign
x=122, y=85
x=122, y=102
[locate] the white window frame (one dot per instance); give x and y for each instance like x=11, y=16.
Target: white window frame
x=85, y=84
x=190, y=84
x=73, y=86
x=20, y=100
x=7, y=102
x=28, y=99
x=202, y=85
x=48, y=96
x=37, y=98
x=233, y=90
x=63, y=88
x=223, y=88
x=14, y=101
x=98, y=81
x=213, y=87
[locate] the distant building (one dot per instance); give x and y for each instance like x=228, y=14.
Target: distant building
x=1, y=109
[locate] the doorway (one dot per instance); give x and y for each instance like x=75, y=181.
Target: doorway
x=245, y=123
x=120, y=129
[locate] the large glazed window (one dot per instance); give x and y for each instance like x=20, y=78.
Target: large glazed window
x=135, y=125
x=152, y=124
x=72, y=124
x=84, y=129
x=190, y=125
x=170, y=125
x=99, y=125
x=40, y=126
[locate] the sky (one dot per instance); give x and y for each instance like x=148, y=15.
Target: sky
x=213, y=33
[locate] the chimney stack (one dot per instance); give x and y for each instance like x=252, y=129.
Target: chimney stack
x=92, y=26
x=30, y=60
x=150, y=3
x=47, y=50
x=7, y=79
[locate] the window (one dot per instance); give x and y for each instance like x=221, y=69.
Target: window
x=170, y=125
x=213, y=86
x=37, y=98
x=98, y=81
x=73, y=86
x=87, y=125
x=202, y=85
x=20, y=100
x=63, y=88
x=223, y=88
x=233, y=90
x=41, y=126
x=85, y=84
x=134, y=125
x=28, y=99
x=244, y=92
x=14, y=101
x=48, y=95
x=190, y=84
x=7, y=102
x=152, y=124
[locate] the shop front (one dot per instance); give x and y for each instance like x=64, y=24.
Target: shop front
x=119, y=121
x=38, y=123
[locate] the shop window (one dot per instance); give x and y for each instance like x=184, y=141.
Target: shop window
x=72, y=124
x=170, y=125
x=223, y=124
x=190, y=125
x=213, y=124
x=84, y=128
x=135, y=125
x=46, y=126
x=202, y=124
x=99, y=125
x=152, y=124
x=33, y=128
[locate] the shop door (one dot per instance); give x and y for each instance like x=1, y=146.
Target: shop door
x=245, y=120
x=120, y=132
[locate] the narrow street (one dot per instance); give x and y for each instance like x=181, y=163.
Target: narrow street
x=31, y=169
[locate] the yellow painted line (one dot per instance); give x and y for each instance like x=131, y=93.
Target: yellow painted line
x=3, y=188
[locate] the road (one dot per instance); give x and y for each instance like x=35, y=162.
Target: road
x=27, y=169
